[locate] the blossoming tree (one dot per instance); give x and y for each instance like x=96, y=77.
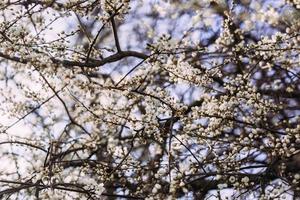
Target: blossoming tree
x=150, y=99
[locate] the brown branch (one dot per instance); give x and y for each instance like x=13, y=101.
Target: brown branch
x=98, y=33
x=280, y=93
x=72, y=120
x=114, y=28
x=91, y=64
x=127, y=154
x=130, y=71
x=33, y=110
x=24, y=143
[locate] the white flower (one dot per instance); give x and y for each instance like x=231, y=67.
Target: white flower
x=196, y=18
x=222, y=186
x=232, y=179
x=99, y=189
x=245, y=179
x=218, y=177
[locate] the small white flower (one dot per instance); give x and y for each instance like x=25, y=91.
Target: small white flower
x=99, y=189
x=222, y=186
x=245, y=179
x=232, y=179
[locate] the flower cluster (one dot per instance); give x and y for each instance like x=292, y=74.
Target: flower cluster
x=149, y=99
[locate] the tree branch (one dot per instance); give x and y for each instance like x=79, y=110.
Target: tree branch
x=91, y=64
